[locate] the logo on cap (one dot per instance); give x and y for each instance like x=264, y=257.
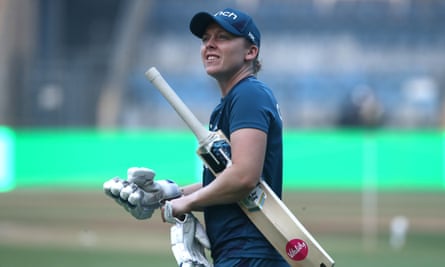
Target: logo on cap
x=251, y=36
x=227, y=14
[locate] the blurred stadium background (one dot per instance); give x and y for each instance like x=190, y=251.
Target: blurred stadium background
x=361, y=87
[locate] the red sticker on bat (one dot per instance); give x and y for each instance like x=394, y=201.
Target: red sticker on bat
x=297, y=249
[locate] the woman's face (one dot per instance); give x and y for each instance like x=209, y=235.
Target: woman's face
x=223, y=54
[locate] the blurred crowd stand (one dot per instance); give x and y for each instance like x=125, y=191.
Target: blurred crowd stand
x=336, y=63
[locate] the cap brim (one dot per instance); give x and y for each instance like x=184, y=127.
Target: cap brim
x=202, y=20
x=199, y=23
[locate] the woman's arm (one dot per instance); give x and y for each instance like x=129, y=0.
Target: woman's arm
x=189, y=189
x=248, y=148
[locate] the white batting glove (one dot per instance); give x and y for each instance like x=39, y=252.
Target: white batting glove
x=140, y=195
x=188, y=239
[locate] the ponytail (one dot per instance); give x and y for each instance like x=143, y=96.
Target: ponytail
x=256, y=65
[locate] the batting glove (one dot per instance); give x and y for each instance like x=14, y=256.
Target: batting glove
x=188, y=239
x=140, y=195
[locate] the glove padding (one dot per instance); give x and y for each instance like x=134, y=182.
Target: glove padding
x=140, y=195
x=188, y=239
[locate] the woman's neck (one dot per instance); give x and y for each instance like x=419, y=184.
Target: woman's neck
x=226, y=84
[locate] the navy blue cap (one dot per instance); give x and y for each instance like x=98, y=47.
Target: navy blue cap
x=231, y=20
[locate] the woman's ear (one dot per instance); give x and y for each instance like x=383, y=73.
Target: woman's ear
x=252, y=52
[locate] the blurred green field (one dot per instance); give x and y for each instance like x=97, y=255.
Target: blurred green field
x=46, y=227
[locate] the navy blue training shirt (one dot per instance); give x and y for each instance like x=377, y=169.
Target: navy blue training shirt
x=250, y=104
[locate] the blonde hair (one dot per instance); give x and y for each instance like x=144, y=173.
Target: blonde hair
x=256, y=65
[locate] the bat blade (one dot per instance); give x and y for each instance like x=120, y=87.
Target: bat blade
x=263, y=207
x=284, y=231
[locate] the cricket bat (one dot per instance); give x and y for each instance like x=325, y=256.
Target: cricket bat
x=263, y=207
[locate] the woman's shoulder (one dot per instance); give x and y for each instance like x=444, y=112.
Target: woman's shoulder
x=251, y=88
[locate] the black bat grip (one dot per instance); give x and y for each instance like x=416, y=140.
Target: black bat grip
x=216, y=154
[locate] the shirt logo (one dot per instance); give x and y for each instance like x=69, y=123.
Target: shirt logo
x=279, y=112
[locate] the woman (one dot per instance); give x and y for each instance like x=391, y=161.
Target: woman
x=248, y=115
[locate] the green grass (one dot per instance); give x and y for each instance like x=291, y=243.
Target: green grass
x=49, y=228
x=421, y=250
x=424, y=250
x=41, y=256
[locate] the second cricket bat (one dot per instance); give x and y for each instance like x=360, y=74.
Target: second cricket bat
x=263, y=207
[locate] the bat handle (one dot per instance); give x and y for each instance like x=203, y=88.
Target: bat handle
x=183, y=111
